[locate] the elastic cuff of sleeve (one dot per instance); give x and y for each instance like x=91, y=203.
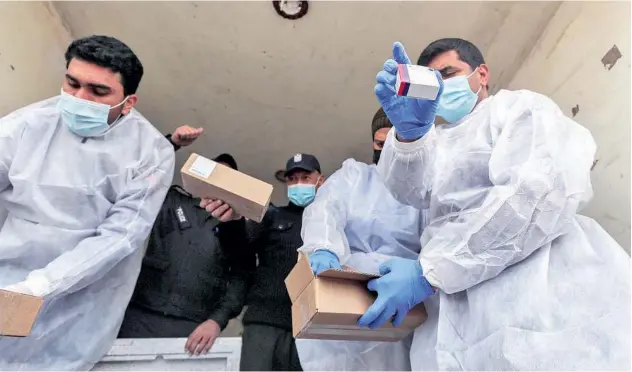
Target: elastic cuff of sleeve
x=429, y=288
x=324, y=250
x=175, y=147
x=415, y=133
x=408, y=147
x=429, y=273
x=38, y=285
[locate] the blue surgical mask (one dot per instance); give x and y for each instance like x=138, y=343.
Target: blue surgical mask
x=301, y=194
x=457, y=99
x=84, y=118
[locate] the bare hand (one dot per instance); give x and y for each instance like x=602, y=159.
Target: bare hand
x=185, y=135
x=202, y=338
x=220, y=210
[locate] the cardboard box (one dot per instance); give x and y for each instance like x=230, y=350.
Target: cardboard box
x=416, y=82
x=18, y=313
x=328, y=306
x=247, y=196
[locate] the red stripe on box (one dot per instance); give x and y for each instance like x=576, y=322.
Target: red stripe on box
x=404, y=80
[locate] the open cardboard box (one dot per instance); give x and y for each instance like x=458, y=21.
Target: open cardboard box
x=328, y=306
x=205, y=178
x=17, y=313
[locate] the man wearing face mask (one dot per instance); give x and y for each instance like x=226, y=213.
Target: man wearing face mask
x=82, y=177
x=356, y=219
x=512, y=277
x=267, y=341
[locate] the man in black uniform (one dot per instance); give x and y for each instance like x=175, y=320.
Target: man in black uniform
x=188, y=286
x=267, y=341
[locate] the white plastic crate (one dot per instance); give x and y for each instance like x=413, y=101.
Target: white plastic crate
x=168, y=354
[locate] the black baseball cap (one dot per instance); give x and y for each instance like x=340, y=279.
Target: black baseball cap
x=305, y=162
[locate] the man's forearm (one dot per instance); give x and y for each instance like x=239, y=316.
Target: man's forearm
x=232, y=303
x=242, y=264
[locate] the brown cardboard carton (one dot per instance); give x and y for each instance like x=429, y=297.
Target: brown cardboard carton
x=328, y=306
x=205, y=178
x=18, y=313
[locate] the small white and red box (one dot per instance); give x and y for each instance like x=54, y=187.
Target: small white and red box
x=416, y=82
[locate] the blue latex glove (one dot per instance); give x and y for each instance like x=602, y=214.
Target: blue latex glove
x=322, y=260
x=411, y=117
x=401, y=287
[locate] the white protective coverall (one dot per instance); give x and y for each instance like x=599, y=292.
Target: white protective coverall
x=354, y=216
x=77, y=213
x=525, y=283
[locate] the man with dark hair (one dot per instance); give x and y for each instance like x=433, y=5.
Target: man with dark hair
x=189, y=285
x=513, y=277
x=82, y=178
x=267, y=341
x=463, y=49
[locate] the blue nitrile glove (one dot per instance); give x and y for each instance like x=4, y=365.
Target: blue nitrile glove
x=322, y=260
x=401, y=287
x=411, y=117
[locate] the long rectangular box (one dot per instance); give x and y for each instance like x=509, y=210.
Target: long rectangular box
x=247, y=195
x=328, y=306
x=18, y=313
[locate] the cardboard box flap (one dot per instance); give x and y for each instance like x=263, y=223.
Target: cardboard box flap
x=17, y=313
x=347, y=274
x=299, y=278
x=301, y=275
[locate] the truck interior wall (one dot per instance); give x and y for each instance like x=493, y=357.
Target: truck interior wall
x=251, y=83
x=266, y=88
x=32, y=45
x=582, y=61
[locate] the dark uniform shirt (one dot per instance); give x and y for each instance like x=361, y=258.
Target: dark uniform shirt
x=274, y=243
x=186, y=273
x=186, y=276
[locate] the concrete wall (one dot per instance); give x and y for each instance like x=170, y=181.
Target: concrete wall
x=32, y=45
x=266, y=88
x=566, y=64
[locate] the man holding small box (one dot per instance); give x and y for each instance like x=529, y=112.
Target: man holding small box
x=513, y=277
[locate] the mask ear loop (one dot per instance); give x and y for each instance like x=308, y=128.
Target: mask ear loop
x=480, y=87
x=121, y=114
x=318, y=180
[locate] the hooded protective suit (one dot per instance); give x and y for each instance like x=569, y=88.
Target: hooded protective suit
x=77, y=212
x=524, y=282
x=355, y=217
